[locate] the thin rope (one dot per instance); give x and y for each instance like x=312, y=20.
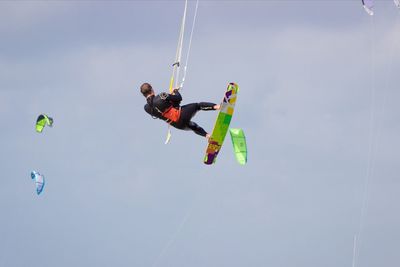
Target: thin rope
x=190, y=45
x=182, y=224
x=181, y=44
x=354, y=250
x=371, y=143
x=176, y=64
x=173, y=237
x=375, y=141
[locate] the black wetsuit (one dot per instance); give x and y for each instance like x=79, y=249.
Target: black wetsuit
x=156, y=105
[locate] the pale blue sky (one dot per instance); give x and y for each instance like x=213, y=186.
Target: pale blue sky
x=311, y=74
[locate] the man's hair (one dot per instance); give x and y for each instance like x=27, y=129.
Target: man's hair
x=146, y=89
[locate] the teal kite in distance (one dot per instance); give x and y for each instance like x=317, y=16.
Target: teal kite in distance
x=39, y=181
x=42, y=121
x=239, y=145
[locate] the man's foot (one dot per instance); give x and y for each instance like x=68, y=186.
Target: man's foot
x=217, y=107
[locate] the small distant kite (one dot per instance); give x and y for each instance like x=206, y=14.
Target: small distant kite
x=368, y=6
x=42, y=121
x=39, y=181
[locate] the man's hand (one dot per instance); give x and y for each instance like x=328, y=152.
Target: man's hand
x=175, y=89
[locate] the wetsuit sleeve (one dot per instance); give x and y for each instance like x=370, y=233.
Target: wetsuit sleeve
x=147, y=108
x=175, y=98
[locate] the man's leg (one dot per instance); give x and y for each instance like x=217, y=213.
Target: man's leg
x=207, y=106
x=188, y=111
x=196, y=128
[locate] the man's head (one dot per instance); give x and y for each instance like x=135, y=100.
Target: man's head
x=146, y=89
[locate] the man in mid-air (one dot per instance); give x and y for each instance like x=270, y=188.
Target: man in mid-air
x=167, y=107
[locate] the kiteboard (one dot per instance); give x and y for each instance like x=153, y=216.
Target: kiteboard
x=222, y=124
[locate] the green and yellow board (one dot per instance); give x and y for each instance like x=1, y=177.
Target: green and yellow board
x=222, y=124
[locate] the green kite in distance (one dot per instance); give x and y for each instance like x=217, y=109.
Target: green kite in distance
x=41, y=122
x=239, y=145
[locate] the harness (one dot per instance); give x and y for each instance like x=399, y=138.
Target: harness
x=165, y=108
